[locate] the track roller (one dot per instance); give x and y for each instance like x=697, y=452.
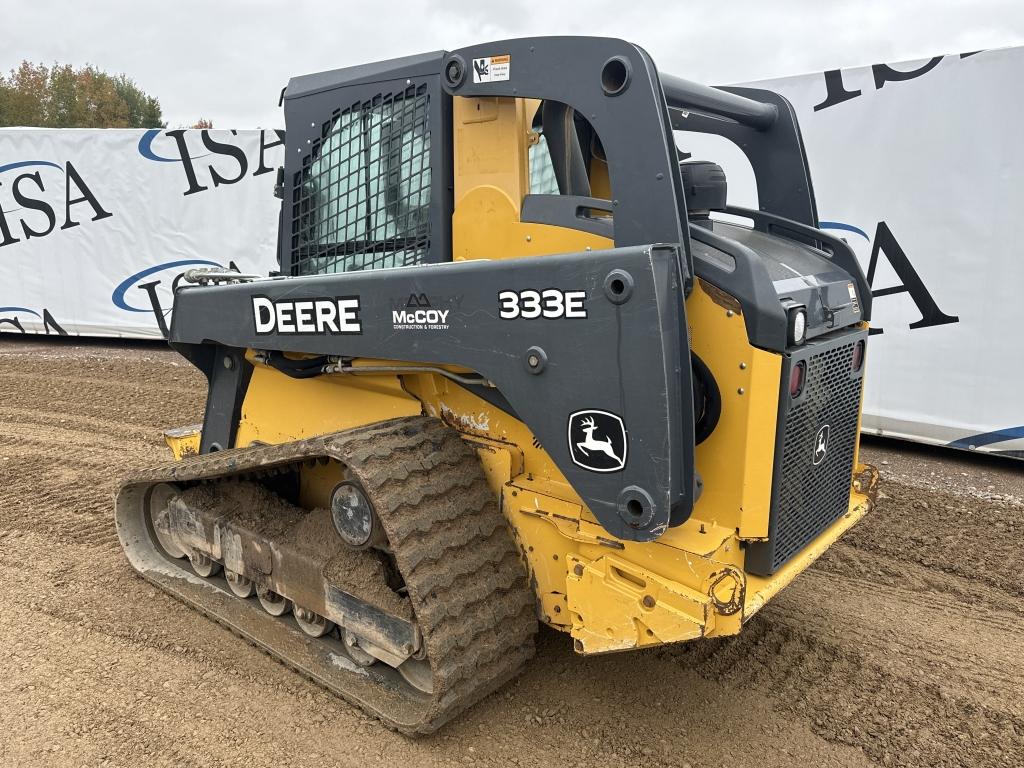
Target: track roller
x=273, y=603
x=203, y=565
x=241, y=586
x=359, y=656
x=313, y=624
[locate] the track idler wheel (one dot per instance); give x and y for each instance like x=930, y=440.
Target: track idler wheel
x=159, y=498
x=417, y=673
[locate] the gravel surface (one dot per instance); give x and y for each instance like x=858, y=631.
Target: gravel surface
x=901, y=647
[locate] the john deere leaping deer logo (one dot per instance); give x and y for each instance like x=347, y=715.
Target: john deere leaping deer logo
x=820, y=445
x=597, y=441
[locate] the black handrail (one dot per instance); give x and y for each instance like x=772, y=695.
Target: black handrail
x=686, y=95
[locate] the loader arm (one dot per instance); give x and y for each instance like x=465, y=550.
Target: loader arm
x=606, y=336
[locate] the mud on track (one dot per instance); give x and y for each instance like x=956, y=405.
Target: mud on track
x=901, y=647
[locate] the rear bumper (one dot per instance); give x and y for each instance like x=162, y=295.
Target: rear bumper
x=618, y=602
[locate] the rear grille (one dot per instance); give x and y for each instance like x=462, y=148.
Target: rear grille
x=808, y=497
x=362, y=198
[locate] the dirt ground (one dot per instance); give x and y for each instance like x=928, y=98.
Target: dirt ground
x=901, y=647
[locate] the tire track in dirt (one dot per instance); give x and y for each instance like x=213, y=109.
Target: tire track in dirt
x=142, y=390
x=855, y=697
x=17, y=420
x=71, y=495
x=968, y=536
x=69, y=427
x=919, y=637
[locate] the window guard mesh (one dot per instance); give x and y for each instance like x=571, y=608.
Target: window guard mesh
x=362, y=198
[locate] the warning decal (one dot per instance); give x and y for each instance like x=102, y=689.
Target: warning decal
x=492, y=69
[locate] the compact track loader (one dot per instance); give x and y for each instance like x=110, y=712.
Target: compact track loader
x=523, y=363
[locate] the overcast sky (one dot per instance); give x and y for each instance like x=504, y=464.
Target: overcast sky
x=227, y=60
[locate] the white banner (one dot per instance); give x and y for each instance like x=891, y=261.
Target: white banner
x=96, y=224
x=920, y=167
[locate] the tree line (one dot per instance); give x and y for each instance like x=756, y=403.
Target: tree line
x=61, y=96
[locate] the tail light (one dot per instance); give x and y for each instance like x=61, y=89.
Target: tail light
x=796, y=379
x=858, y=356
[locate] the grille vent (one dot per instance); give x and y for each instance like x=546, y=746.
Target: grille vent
x=808, y=497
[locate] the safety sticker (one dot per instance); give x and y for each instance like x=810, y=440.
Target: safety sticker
x=492, y=69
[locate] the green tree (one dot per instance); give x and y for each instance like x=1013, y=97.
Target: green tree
x=24, y=95
x=64, y=97
x=143, y=109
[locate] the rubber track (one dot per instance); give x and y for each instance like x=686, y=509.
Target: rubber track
x=469, y=588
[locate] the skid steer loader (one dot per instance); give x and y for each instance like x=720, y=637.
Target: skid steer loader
x=523, y=363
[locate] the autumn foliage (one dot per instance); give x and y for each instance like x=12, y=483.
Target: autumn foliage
x=60, y=96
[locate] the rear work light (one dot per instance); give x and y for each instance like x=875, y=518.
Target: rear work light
x=797, y=322
x=796, y=379
x=858, y=356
